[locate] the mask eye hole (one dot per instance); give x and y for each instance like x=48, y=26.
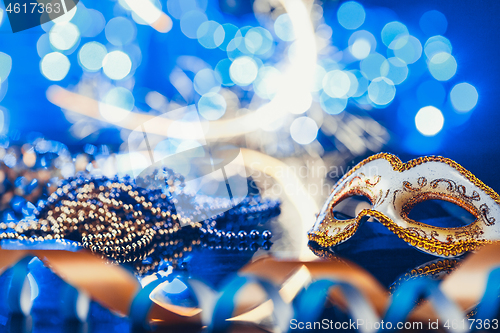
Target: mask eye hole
x=441, y=213
x=350, y=206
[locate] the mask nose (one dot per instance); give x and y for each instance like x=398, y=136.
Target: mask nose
x=329, y=231
x=380, y=217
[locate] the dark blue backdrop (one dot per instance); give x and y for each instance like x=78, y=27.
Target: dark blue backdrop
x=473, y=28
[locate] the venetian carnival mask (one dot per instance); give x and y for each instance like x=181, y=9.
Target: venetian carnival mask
x=394, y=188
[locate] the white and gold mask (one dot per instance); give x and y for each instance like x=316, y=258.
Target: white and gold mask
x=394, y=188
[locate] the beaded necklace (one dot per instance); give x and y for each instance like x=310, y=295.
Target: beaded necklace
x=125, y=223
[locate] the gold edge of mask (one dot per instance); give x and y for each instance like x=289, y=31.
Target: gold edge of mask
x=428, y=269
x=429, y=245
x=398, y=165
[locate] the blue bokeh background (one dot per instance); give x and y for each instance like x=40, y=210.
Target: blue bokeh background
x=472, y=28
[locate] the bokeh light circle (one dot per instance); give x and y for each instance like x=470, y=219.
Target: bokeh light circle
x=206, y=80
x=237, y=47
x=5, y=66
x=361, y=48
x=191, y=21
x=332, y=105
x=268, y=82
x=210, y=34
x=234, y=50
x=442, y=66
x=258, y=41
x=222, y=69
x=178, y=7
x=243, y=71
x=91, y=56
x=212, y=106
x=393, y=30
x=433, y=22
x=381, y=91
x=55, y=66
x=116, y=65
x=324, y=31
x=174, y=8
x=371, y=65
x=43, y=45
x=303, y=130
x=395, y=70
x=283, y=28
x=90, y=21
x=336, y=83
x=155, y=100
x=407, y=48
x=120, y=97
x=464, y=97
x=361, y=44
x=351, y=15
x=116, y=104
x=429, y=120
x=329, y=64
x=64, y=36
x=437, y=44
x=230, y=31
x=120, y=31
x=134, y=53
x=353, y=88
x=362, y=83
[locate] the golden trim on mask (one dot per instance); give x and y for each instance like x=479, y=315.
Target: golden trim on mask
x=430, y=269
x=432, y=245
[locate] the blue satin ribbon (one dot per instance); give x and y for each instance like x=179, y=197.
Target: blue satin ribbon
x=224, y=306
x=141, y=304
x=308, y=305
x=310, y=302
x=410, y=292
x=490, y=303
x=69, y=304
x=19, y=275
